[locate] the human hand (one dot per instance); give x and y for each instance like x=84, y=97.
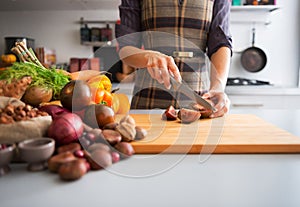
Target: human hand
x=161, y=66
x=220, y=101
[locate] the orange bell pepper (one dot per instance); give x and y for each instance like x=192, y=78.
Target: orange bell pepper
x=101, y=96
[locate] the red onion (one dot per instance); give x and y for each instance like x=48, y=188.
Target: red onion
x=53, y=110
x=66, y=128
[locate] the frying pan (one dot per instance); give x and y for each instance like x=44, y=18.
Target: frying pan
x=253, y=59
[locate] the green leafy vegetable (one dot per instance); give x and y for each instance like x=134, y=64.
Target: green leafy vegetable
x=48, y=78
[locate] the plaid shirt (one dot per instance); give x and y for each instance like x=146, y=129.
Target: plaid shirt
x=183, y=25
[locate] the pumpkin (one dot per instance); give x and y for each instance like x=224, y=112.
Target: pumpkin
x=8, y=59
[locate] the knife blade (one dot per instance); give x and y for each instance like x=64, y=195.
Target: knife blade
x=183, y=88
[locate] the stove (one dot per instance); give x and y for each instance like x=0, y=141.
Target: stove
x=245, y=82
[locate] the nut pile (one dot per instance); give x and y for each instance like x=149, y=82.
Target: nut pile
x=16, y=88
x=11, y=114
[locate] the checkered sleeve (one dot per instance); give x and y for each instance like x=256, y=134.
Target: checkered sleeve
x=127, y=32
x=219, y=33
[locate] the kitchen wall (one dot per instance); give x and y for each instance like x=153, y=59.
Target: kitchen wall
x=58, y=30
x=280, y=39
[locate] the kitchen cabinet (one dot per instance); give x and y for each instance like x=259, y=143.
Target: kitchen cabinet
x=265, y=101
x=264, y=98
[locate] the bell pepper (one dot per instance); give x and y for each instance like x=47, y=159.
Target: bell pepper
x=102, y=96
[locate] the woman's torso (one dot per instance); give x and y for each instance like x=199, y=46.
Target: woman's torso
x=174, y=26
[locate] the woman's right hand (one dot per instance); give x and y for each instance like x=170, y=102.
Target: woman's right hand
x=161, y=66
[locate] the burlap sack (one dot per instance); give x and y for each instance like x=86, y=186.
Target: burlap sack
x=18, y=131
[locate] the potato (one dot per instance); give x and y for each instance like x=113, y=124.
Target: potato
x=35, y=95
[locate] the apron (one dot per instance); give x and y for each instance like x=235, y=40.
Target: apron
x=169, y=26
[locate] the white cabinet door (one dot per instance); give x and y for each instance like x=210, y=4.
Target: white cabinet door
x=265, y=101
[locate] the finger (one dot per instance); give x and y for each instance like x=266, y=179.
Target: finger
x=151, y=72
x=206, y=96
x=158, y=75
x=152, y=67
x=164, y=73
x=222, y=109
x=220, y=105
x=219, y=113
x=172, y=67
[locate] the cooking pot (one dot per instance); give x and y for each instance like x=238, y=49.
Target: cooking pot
x=10, y=43
x=253, y=58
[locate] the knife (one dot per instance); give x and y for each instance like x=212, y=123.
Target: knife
x=187, y=91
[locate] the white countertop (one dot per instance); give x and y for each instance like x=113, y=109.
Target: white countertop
x=127, y=88
x=171, y=180
x=262, y=90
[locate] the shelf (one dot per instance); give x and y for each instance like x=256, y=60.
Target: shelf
x=107, y=34
x=82, y=21
x=240, y=14
x=260, y=8
x=97, y=21
x=97, y=44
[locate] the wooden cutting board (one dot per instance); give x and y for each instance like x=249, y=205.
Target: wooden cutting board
x=233, y=133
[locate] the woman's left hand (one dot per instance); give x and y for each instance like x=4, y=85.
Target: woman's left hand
x=220, y=101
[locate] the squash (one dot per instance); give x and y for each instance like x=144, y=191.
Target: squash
x=8, y=59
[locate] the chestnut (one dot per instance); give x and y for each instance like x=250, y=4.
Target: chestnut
x=73, y=170
x=141, y=133
x=99, y=158
x=125, y=149
x=102, y=157
x=72, y=147
x=99, y=115
x=57, y=160
x=112, y=137
x=96, y=146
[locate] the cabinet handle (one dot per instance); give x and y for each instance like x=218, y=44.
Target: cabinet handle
x=248, y=105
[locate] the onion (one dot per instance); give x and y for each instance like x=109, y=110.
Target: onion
x=66, y=128
x=53, y=110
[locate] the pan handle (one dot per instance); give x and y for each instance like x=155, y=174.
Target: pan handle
x=253, y=36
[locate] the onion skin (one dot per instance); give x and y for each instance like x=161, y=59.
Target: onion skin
x=66, y=128
x=170, y=113
x=54, y=110
x=188, y=115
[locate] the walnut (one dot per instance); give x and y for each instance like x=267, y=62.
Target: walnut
x=128, y=119
x=126, y=128
x=15, y=88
